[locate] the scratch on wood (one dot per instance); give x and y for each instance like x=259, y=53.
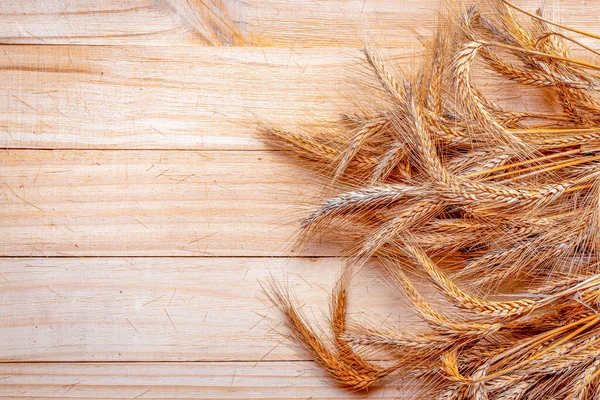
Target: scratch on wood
x=183, y=179
x=132, y=264
x=69, y=387
x=22, y=199
x=307, y=282
x=24, y=102
x=153, y=128
x=38, y=174
x=141, y=223
x=141, y=208
x=45, y=124
x=269, y=352
x=171, y=299
x=233, y=377
x=258, y=322
x=5, y=195
x=168, y=316
x=35, y=36
x=127, y=319
x=152, y=301
x=53, y=291
x=198, y=239
x=140, y=395
x=162, y=173
x=273, y=329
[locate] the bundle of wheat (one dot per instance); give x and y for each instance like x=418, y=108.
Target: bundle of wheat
x=448, y=184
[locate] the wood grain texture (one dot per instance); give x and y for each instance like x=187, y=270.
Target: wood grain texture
x=274, y=23
x=264, y=380
x=97, y=101
x=160, y=203
x=167, y=309
x=144, y=97
x=278, y=23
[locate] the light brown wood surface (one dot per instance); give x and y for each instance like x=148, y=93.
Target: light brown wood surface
x=165, y=308
x=153, y=203
x=227, y=380
x=168, y=97
x=138, y=209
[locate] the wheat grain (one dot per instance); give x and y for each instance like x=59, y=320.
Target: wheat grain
x=446, y=184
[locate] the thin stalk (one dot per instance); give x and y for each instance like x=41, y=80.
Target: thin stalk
x=564, y=164
x=539, y=18
x=526, y=162
x=553, y=130
x=541, y=353
x=542, y=54
x=562, y=35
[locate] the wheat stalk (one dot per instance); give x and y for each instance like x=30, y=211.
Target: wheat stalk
x=447, y=185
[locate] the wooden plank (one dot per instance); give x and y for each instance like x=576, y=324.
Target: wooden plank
x=91, y=22
x=167, y=309
x=265, y=380
x=144, y=97
x=282, y=23
x=166, y=97
x=153, y=203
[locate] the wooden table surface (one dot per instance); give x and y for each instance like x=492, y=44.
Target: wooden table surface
x=139, y=210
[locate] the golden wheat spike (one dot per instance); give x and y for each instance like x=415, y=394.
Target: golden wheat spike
x=446, y=185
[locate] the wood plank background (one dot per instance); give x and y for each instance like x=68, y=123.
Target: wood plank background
x=138, y=209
